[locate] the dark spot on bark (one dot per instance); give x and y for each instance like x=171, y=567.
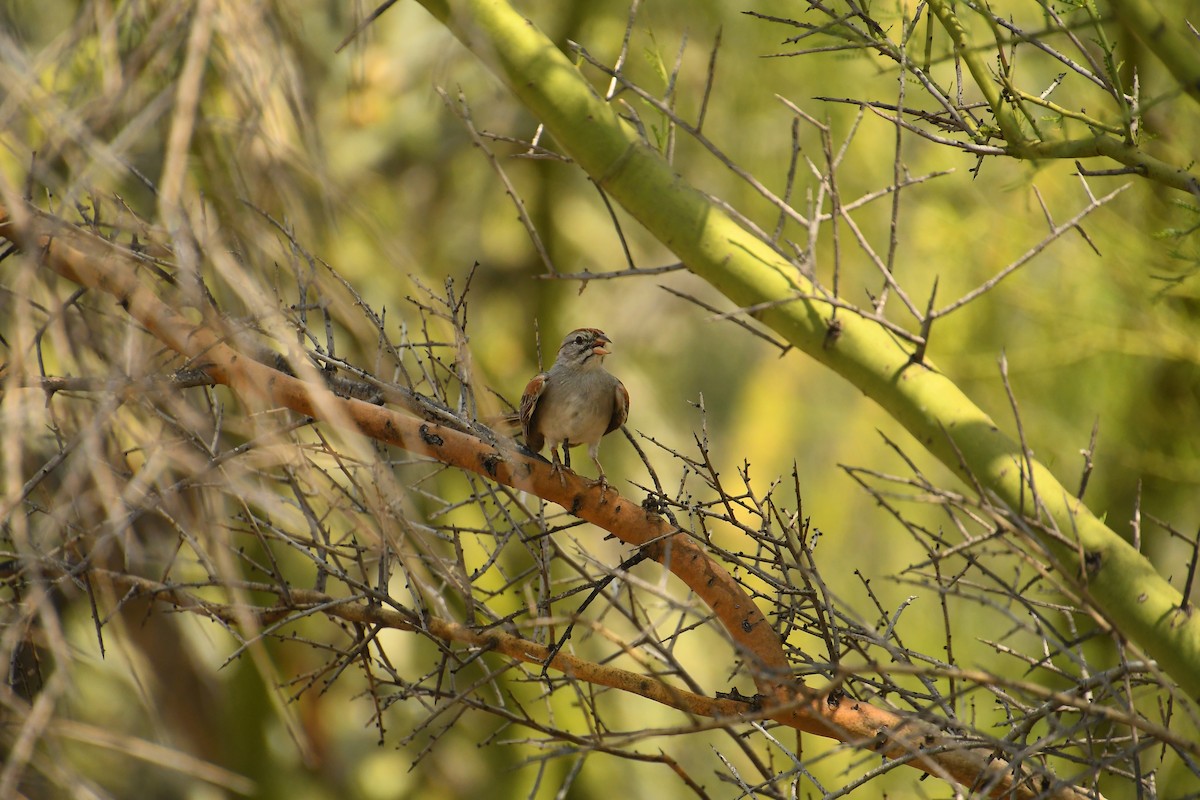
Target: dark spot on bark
x=430, y=438
x=747, y=625
x=655, y=550
x=1092, y=561
x=833, y=332
x=489, y=464
x=576, y=504
x=834, y=698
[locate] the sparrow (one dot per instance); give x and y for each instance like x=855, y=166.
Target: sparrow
x=577, y=401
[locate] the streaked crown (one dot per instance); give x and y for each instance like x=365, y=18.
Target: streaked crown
x=582, y=345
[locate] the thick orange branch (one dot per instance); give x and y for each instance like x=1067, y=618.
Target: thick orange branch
x=96, y=263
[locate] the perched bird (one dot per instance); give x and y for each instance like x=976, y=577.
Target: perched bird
x=576, y=402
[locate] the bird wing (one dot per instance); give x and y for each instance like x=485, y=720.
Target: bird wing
x=620, y=407
x=529, y=400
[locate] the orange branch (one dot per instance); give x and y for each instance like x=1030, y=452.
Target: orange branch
x=96, y=263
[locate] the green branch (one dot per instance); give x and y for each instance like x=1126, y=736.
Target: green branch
x=1141, y=604
x=1165, y=41
x=1168, y=40
x=982, y=75
x=1109, y=147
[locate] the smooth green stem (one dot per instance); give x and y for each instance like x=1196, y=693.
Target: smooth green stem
x=1116, y=149
x=980, y=73
x=1168, y=39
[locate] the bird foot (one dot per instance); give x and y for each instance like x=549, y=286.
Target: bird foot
x=602, y=482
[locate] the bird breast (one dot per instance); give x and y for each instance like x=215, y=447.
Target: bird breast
x=576, y=408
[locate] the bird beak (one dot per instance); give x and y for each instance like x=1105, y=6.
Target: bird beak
x=599, y=349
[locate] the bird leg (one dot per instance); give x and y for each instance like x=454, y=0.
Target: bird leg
x=603, y=479
x=557, y=465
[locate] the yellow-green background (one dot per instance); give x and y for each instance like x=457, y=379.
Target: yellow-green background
x=359, y=155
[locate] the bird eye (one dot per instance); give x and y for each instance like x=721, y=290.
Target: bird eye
x=578, y=340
